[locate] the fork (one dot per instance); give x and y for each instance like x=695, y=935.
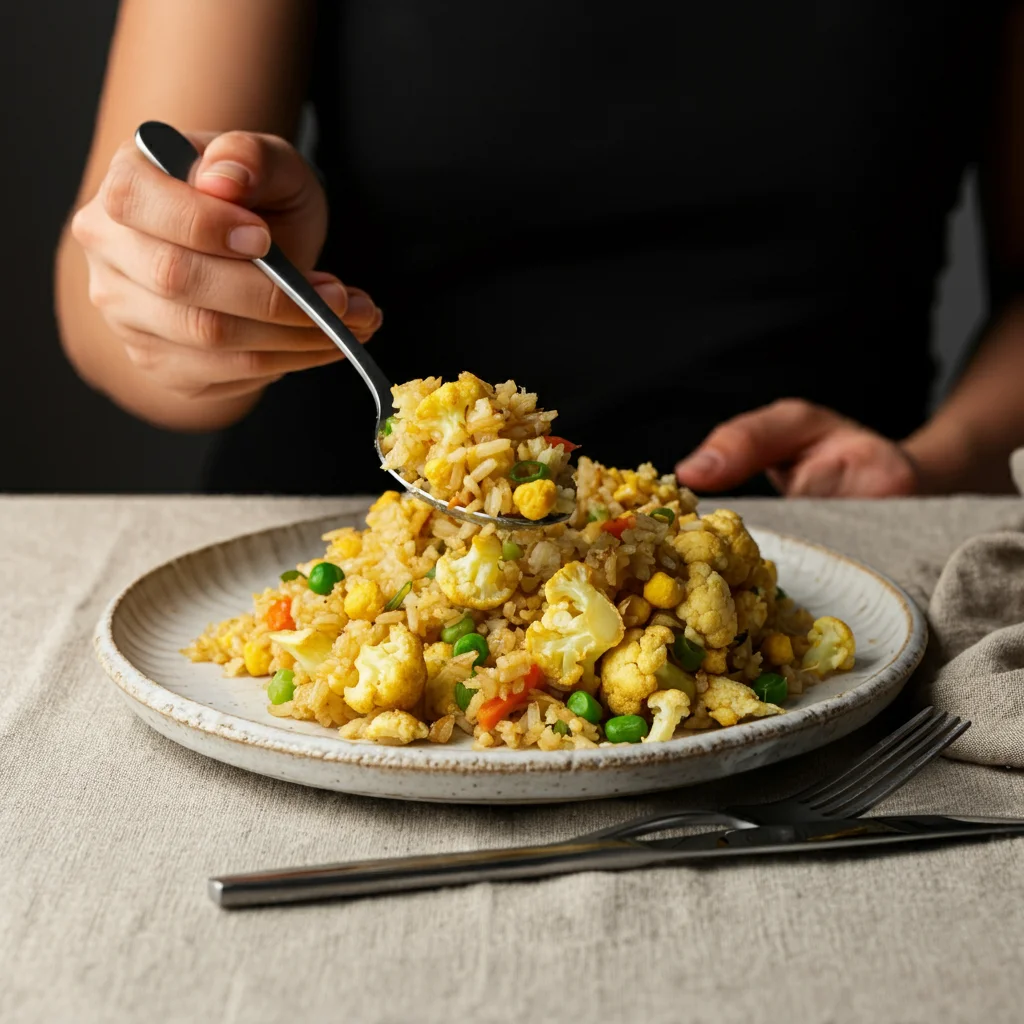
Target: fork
x=880, y=771
x=883, y=769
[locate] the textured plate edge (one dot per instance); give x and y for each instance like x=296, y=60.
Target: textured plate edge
x=152, y=695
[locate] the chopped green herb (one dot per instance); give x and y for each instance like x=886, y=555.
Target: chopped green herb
x=291, y=574
x=396, y=601
x=527, y=471
x=463, y=695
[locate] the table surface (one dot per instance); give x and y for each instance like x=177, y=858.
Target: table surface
x=108, y=832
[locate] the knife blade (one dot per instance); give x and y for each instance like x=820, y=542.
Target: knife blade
x=406, y=874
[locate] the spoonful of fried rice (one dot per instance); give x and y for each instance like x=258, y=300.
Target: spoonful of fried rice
x=478, y=453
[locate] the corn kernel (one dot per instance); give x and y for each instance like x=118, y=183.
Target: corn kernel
x=257, y=658
x=662, y=591
x=777, y=649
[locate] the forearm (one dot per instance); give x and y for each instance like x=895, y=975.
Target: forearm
x=99, y=357
x=967, y=443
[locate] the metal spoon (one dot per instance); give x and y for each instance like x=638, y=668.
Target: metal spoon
x=169, y=150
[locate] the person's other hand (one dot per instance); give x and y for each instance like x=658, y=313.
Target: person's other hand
x=805, y=450
x=169, y=265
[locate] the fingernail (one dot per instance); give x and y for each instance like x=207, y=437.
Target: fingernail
x=228, y=169
x=249, y=240
x=705, y=461
x=332, y=293
x=359, y=307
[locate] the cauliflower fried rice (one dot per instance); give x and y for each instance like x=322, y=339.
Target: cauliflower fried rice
x=636, y=621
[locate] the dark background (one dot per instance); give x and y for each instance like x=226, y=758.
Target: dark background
x=57, y=434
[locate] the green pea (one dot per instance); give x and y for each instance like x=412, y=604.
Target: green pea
x=582, y=704
x=291, y=574
x=323, y=577
x=455, y=632
x=625, y=729
x=560, y=728
x=780, y=594
x=689, y=655
x=396, y=602
x=389, y=425
x=472, y=642
x=510, y=551
x=463, y=695
x=771, y=688
x=664, y=513
x=598, y=514
x=282, y=687
x=431, y=572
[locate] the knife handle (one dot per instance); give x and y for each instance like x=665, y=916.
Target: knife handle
x=405, y=874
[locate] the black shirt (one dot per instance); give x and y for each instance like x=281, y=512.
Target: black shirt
x=655, y=215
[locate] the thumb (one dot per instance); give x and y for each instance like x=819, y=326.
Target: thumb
x=738, y=449
x=257, y=171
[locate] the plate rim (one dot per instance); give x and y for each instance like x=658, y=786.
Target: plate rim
x=440, y=759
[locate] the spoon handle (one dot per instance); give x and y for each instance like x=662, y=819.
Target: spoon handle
x=168, y=149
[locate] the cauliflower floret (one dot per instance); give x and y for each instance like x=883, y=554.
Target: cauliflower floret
x=777, y=649
x=670, y=707
x=443, y=412
x=664, y=591
x=832, y=647
x=391, y=728
x=479, y=579
x=700, y=545
x=742, y=553
x=363, y=600
x=708, y=610
x=307, y=646
x=639, y=666
x=392, y=673
x=439, y=693
x=536, y=499
x=727, y=702
x=628, y=671
x=751, y=612
x=579, y=625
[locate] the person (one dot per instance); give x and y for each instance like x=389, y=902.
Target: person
x=709, y=235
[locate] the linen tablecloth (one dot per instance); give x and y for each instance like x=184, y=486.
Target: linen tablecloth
x=108, y=832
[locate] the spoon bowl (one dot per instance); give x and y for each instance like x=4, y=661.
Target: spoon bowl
x=169, y=150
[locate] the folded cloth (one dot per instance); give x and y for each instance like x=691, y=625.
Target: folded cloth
x=977, y=622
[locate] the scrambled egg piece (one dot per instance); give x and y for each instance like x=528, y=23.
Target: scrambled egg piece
x=670, y=707
x=742, y=554
x=257, y=657
x=629, y=670
x=391, y=728
x=364, y=600
x=536, y=499
x=580, y=624
x=727, y=702
x=442, y=675
x=708, y=610
x=664, y=591
x=832, y=647
x=443, y=412
x=392, y=673
x=479, y=579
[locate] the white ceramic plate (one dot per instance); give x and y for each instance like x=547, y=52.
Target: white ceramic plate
x=139, y=637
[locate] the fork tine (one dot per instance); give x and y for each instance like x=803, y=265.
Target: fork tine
x=875, y=759
x=907, y=748
x=871, y=758
x=901, y=773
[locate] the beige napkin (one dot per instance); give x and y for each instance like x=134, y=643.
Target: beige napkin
x=977, y=621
